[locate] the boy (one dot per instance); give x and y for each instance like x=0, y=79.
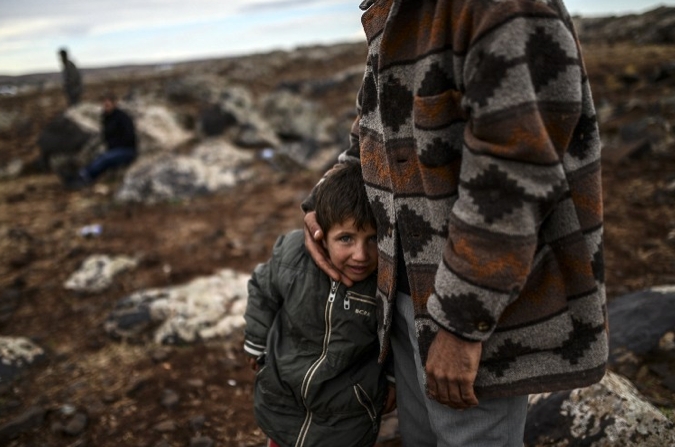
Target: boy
x=319, y=383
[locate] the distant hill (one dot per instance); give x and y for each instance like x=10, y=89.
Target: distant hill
x=655, y=27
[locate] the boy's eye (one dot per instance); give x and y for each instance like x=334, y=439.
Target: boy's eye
x=373, y=239
x=345, y=238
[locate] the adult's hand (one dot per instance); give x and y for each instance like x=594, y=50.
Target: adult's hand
x=313, y=237
x=390, y=401
x=252, y=363
x=452, y=366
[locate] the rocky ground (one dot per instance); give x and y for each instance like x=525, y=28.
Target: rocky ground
x=91, y=390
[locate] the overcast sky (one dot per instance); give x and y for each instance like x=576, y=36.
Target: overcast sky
x=114, y=32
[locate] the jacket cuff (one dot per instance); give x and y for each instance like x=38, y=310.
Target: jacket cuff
x=254, y=349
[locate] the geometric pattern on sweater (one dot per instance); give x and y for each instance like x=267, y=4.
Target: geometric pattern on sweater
x=396, y=96
x=572, y=350
x=435, y=77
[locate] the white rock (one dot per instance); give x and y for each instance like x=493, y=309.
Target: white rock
x=18, y=350
x=205, y=308
x=158, y=129
x=97, y=272
x=214, y=165
x=611, y=412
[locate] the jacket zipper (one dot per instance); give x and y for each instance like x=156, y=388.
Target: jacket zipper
x=309, y=375
x=370, y=408
x=358, y=297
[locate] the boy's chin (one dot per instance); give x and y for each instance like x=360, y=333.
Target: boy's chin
x=356, y=277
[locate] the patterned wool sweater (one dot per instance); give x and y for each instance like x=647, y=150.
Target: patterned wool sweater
x=480, y=151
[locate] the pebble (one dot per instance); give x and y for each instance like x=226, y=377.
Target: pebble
x=169, y=398
x=195, y=383
x=76, y=425
x=168, y=425
x=197, y=422
x=201, y=441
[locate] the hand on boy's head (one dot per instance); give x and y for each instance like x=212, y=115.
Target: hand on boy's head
x=253, y=363
x=312, y=227
x=313, y=242
x=390, y=402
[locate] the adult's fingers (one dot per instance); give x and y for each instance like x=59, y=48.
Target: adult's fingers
x=313, y=244
x=444, y=390
x=468, y=395
x=312, y=226
x=451, y=367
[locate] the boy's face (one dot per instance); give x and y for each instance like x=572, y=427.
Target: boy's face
x=352, y=251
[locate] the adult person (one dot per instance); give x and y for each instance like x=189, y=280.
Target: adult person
x=120, y=139
x=479, y=144
x=72, y=81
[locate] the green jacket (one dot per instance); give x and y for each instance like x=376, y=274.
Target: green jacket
x=321, y=384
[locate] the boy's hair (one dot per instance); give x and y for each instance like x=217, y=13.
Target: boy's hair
x=340, y=196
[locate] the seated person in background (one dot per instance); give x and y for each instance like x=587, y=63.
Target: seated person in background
x=312, y=340
x=120, y=140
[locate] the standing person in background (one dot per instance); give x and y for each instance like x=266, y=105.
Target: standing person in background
x=479, y=144
x=72, y=81
x=119, y=135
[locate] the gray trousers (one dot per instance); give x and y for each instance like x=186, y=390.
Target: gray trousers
x=423, y=422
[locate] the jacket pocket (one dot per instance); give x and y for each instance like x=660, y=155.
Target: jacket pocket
x=438, y=128
x=438, y=111
x=354, y=325
x=269, y=391
x=367, y=404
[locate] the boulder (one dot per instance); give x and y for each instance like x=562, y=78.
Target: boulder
x=194, y=88
x=97, y=273
x=609, y=413
x=232, y=112
x=628, y=138
x=642, y=333
x=69, y=141
x=205, y=308
x=158, y=129
x=294, y=118
x=308, y=135
x=213, y=120
x=212, y=166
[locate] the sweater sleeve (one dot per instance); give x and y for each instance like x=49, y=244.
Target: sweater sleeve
x=521, y=79
x=264, y=302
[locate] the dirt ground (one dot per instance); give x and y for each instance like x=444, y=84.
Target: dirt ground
x=122, y=387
